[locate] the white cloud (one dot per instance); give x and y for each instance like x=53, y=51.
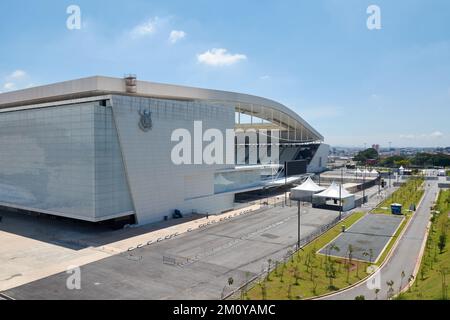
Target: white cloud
x=437, y=134
x=9, y=86
x=16, y=80
x=18, y=74
x=147, y=28
x=433, y=135
x=220, y=57
x=176, y=35
x=265, y=77
x=407, y=136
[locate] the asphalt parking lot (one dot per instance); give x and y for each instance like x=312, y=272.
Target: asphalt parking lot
x=372, y=232
x=196, y=265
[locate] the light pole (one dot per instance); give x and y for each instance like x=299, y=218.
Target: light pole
x=389, y=178
x=298, y=229
x=285, y=181
x=340, y=194
x=364, y=184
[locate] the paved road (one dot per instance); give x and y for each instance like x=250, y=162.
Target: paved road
x=404, y=257
x=238, y=249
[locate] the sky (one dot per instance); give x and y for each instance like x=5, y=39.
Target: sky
x=354, y=85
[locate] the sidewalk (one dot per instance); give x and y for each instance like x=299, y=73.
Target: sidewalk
x=404, y=256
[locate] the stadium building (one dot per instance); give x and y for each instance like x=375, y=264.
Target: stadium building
x=100, y=148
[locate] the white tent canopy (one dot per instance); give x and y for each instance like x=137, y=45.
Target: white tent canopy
x=306, y=190
x=309, y=186
x=334, y=192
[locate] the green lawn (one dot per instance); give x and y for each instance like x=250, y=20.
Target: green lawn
x=430, y=280
x=305, y=274
x=309, y=274
x=410, y=193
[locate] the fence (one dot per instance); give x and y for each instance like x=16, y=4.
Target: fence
x=290, y=253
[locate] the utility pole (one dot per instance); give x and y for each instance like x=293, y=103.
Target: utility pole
x=340, y=194
x=299, y=225
x=389, y=177
x=285, y=182
x=364, y=183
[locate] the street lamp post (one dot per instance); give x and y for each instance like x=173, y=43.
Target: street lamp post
x=389, y=178
x=340, y=194
x=285, y=181
x=364, y=184
x=299, y=225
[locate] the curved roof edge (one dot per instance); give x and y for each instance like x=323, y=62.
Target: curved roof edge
x=107, y=85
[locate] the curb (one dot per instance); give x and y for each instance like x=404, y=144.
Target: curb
x=386, y=260
x=420, y=257
x=261, y=275
x=5, y=297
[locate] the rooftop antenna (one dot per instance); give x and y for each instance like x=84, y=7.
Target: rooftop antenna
x=130, y=83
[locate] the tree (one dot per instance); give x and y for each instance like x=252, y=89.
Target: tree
x=361, y=297
x=263, y=291
x=402, y=275
x=269, y=262
x=390, y=292
x=296, y=276
x=366, y=254
x=377, y=291
x=442, y=242
x=391, y=161
x=289, y=295
x=350, y=257
x=410, y=280
x=368, y=154
x=402, y=163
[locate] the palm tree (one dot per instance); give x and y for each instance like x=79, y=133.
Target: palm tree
x=401, y=281
x=371, y=255
x=410, y=279
x=269, y=262
x=366, y=254
x=350, y=257
x=296, y=275
x=390, y=292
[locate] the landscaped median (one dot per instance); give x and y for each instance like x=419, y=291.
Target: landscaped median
x=407, y=195
x=434, y=273
x=309, y=274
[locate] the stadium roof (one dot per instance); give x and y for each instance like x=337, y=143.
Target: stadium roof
x=94, y=86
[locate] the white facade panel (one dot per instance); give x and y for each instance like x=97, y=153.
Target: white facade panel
x=63, y=160
x=157, y=184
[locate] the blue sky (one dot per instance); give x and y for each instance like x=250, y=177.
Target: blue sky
x=352, y=84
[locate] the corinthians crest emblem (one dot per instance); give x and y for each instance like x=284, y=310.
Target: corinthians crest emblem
x=146, y=123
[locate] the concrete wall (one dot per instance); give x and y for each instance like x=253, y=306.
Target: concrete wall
x=63, y=160
x=320, y=159
x=159, y=186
